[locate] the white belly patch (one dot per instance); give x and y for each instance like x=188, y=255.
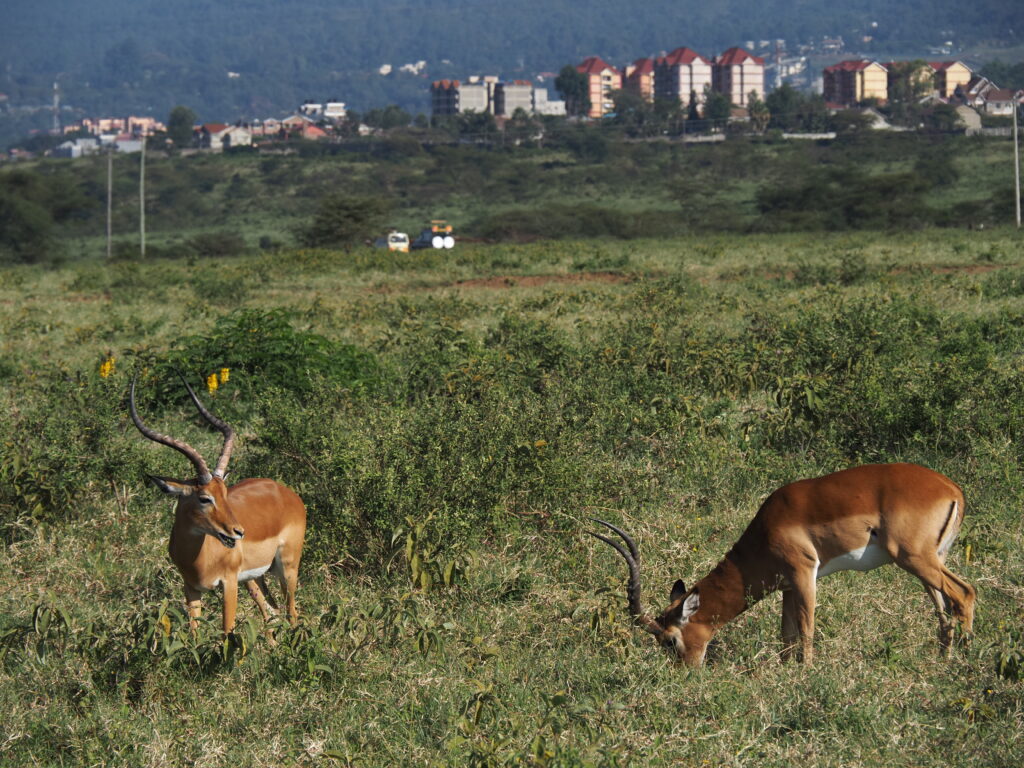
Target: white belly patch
x=255, y=573
x=864, y=559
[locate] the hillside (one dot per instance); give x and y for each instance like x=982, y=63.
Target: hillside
x=118, y=56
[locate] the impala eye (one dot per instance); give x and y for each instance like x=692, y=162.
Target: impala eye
x=205, y=500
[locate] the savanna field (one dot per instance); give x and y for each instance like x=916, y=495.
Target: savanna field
x=452, y=419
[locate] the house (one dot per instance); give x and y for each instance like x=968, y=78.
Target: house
x=218, y=136
x=331, y=110
x=602, y=79
x=737, y=74
x=851, y=82
x=949, y=75
x=970, y=119
x=638, y=78
x=77, y=148
x=1000, y=101
x=681, y=74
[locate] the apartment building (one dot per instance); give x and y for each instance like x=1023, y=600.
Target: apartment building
x=508, y=97
x=738, y=73
x=848, y=83
x=949, y=75
x=681, y=74
x=455, y=97
x=602, y=79
x=638, y=78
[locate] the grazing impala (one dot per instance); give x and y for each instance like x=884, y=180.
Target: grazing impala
x=857, y=519
x=222, y=536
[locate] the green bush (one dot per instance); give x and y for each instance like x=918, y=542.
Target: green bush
x=259, y=351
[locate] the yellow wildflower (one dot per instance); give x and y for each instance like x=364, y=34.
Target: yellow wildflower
x=107, y=367
x=225, y=374
x=211, y=383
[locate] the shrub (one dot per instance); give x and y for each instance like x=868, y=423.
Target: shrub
x=249, y=351
x=344, y=220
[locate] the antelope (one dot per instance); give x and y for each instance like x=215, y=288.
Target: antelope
x=223, y=535
x=857, y=519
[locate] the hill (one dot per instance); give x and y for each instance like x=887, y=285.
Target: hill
x=120, y=56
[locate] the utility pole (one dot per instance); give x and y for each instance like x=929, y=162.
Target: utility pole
x=1016, y=157
x=142, y=197
x=110, y=197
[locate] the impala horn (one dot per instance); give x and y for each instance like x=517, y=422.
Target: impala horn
x=202, y=471
x=632, y=558
x=229, y=434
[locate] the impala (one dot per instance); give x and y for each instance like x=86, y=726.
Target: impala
x=226, y=535
x=857, y=519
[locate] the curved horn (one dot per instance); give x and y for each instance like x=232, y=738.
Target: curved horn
x=190, y=453
x=225, y=429
x=632, y=558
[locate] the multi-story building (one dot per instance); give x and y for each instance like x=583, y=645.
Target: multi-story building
x=332, y=110
x=542, y=105
x=602, y=79
x=682, y=75
x=949, y=75
x=454, y=97
x=737, y=74
x=508, y=97
x=638, y=78
x=848, y=83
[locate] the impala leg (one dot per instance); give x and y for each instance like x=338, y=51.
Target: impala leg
x=194, y=606
x=258, y=597
x=943, y=611
x=954, y=593
x=798, y=615
x=286, y=567
x=267, y=593
x=790, y=628
x=230, y=604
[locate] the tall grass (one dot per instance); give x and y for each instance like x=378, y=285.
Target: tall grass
x=451, y=423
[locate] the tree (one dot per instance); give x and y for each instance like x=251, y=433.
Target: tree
x=717, y=108
x=909, y=82
x=179, y=126
x=635, y=114
x=344, y=220
x=575, y=89
x=521, y=127
x=391, y=116
x=785, y=104
x=758, y=111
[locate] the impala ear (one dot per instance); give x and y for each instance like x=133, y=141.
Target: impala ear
x=678, y=590
x=690, y=605
x=171, y=486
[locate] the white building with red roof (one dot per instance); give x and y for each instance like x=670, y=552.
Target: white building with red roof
x=738, y=73
x=682, y=74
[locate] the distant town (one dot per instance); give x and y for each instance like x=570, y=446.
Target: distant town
x=682, y=77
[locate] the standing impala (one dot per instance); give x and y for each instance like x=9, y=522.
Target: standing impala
x=222, y=536
x=857, y=519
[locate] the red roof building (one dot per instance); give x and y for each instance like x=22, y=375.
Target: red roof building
x=681, y=76
x=639, y=79
x=602, y=79
x=738, y=73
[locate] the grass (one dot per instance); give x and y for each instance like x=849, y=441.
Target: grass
x=524, y=388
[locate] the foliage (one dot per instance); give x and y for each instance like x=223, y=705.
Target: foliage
x=574, y=88
x=451, y=421
x=260, y=351
x=343, y=220
x=180, y=123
